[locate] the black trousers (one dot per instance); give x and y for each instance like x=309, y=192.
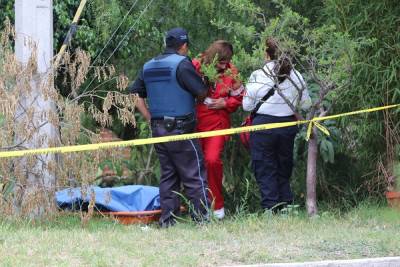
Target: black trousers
x=272, y=160
x=181, y=162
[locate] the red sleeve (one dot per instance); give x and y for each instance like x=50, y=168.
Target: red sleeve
x=197, y=65
x=233, y=102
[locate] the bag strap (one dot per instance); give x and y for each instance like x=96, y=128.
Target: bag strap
x=270, y=93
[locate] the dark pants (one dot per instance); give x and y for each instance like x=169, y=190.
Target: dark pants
x=181, y=162
x=272, y=160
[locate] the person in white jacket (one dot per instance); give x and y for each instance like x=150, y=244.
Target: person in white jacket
x=272, y=150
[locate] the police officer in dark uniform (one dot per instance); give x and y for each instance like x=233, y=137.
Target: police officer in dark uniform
x=170, y=84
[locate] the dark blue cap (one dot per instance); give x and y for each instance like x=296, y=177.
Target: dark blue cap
x=179, y=35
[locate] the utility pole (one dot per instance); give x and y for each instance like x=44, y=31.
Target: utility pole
x=34, y=22
x=34, y=38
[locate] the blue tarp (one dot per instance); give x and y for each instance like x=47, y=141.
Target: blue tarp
x=123, y=198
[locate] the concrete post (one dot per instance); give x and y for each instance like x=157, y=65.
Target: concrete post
x=34, y=22
x=34, y=34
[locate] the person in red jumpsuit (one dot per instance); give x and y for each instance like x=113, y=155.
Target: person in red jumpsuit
x=224, y=97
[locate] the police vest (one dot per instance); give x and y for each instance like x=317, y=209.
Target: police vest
x=164, y=94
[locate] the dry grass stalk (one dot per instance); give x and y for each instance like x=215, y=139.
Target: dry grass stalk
x=18, y=125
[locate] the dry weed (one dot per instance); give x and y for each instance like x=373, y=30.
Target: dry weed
x=24, y=185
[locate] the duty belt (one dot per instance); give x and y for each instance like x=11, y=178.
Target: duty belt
x=176, y=118
x=186, y=123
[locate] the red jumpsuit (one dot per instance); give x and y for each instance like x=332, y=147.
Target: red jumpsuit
x=216, y=119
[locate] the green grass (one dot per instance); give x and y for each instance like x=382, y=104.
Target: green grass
x=246, y=239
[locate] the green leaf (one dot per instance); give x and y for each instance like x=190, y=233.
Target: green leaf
x=327, y=151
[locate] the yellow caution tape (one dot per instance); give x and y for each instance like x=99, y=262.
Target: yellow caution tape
x=311, y=125
x=172, y=138
x=314, y=121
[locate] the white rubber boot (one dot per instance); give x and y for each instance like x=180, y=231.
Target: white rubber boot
x=219, y=214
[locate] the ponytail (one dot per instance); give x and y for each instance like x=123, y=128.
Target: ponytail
x=283, y=65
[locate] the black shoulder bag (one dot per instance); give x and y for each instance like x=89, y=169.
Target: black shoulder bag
x=248, y=121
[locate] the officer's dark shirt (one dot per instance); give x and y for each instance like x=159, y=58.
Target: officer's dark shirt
x=186, y=75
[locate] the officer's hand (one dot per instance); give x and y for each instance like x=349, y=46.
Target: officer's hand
x=218, y=103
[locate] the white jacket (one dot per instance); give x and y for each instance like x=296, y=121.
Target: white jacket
x=259, y=84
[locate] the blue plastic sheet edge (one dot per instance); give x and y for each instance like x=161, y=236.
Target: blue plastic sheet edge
x=128, y=198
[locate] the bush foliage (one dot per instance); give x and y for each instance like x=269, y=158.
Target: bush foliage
x=367, y=30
